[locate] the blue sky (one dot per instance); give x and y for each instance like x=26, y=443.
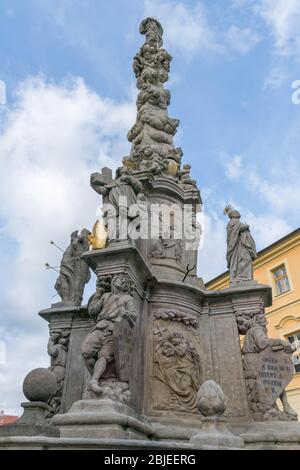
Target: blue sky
x=71, y=100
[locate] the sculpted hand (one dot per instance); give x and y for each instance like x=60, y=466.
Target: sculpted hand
x=96, y=179
x=129, y=318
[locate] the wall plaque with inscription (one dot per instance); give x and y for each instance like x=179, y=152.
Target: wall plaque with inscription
x=123, y=344
x=275, y=372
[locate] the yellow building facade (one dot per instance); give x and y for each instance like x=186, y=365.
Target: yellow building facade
x=278, y=265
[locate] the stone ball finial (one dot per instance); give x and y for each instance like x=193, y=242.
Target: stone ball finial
x=211, y=400
x=39, y=385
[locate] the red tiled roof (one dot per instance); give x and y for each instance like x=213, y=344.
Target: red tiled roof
x=7, y=419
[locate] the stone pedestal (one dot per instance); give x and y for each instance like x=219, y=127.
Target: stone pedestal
x=76, y=323
x=102, y=418
x=215, y=435
x=32, y=422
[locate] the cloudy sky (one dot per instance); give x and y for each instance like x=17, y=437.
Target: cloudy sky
x=70, y=100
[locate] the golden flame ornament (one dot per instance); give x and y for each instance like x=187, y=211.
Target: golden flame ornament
x=98, y=238
x=173, y=168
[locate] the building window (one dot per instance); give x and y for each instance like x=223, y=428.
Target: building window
x=281, y=280
x=294, y=339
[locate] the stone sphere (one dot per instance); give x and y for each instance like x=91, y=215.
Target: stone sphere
x=39, y=385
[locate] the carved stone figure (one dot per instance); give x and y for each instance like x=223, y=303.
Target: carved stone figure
x=169, y=248
x=153, y=127
x=98, y=348
x=177, y=365
x=176, y=361
x=119, y=195
x=58, y=346
x=241, y=249
x=268, y=369
x=138, y=215
x=185, y=177
x=74, y=272
x=152, y=28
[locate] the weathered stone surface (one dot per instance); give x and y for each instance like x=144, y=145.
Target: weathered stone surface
x=32, y=422
x=102, y=418
x=99, y=347
x=274, y=373
x=39, y=385
x=74, y=272
x=123, y=346
x=151, y=335
x=214, y=435
x=241, y=250
x=211, y=400
x=267, y=367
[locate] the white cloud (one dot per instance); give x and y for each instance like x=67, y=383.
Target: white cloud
x=186, y=29
x=24, y=352
x=232, y=166
x=282, y=194
x=283, y=19
x=242, y=40
x=280, y=189
x=52, y=139
x=267, y=228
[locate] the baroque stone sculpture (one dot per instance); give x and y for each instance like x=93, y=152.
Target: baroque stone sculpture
x=148, y=362
x=241, y=250
x=268, y=369
x=58, y=346
x=74, y=273
x=98, y=349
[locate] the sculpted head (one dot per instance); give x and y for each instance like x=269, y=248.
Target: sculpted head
x=74, y=235
x=167, y=349
x=55, y=336
x=121, y=283
x=260, y=320
x=232, y=213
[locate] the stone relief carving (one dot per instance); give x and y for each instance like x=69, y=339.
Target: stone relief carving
x=185, y=177
x=74, y=272
x=58, y=346
x=176, y=316
x=108, y=308
x=241, y=250
x=166, y=247
x=152, y=149
x=267, y=367
x=176, y=361
x=154, y=130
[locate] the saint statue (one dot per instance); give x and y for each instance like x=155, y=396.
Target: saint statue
x=118, y=196
x=107, y=308
x=241, y=249
x=74, y=273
